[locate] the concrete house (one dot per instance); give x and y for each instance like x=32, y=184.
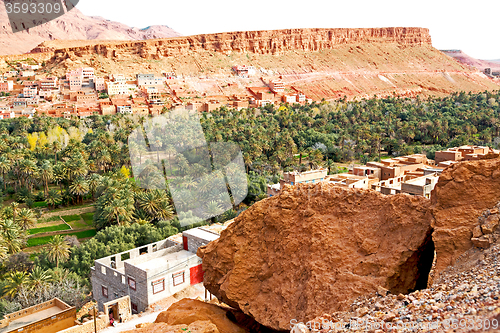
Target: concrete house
x=150, y=273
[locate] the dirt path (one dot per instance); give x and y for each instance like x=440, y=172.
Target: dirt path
x=69, y=212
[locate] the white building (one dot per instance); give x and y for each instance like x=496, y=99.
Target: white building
x=118, y=88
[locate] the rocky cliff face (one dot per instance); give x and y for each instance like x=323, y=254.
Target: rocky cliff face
x=313, y=249
x=259, y=42
x=464, y=191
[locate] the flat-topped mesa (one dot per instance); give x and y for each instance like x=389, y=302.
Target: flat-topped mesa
x=259, y=42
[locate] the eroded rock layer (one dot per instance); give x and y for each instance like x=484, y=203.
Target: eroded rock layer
x=315, y=248
x=462, y=194
x=260, y=42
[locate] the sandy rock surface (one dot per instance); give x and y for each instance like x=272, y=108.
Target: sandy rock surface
x=313, y=249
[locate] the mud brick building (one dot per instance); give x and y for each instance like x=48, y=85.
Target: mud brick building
x=49, y=317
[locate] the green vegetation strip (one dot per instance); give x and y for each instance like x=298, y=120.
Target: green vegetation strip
x=71, y=218
x=88, y=217
x=44, y=240
x=48, y=229
x=50, y=219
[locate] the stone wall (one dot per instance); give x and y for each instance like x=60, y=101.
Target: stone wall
x=88, y=327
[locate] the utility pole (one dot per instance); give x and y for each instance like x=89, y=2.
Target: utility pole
x=95, y=324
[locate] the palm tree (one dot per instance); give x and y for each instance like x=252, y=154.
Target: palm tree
x=79, y=187
x=38, y=278
x=13, y=236
x=116, y=209
x=14, y=210
x=5, y=166
x=213, y=209
x=56, y=146
x=155, y=204
x=46, y=175
x=94, y=181
x=58, y=249
x=53, y=198
x=4, y=251
x=26, y=219
x=14, y=281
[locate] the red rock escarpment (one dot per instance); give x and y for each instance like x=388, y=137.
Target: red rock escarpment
x=260, y=42
x=314, y=249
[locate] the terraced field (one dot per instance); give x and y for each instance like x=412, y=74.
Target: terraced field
x=79, y=225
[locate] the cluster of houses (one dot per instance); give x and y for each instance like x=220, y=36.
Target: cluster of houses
x=124, y=284
x=80, y=93
x=413, y=174
x=27, y=90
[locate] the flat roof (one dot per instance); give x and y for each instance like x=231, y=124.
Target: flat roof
x=203, y=234
x=23, y=321
x=421, y=181
x=170, y=260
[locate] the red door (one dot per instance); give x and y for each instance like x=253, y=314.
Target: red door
x=185, y=242
x=196, y=274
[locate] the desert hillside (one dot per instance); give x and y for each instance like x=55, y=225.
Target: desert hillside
x=465, y=59
x=73, y=25
x=321, y=63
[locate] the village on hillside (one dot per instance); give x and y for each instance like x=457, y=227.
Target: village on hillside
x=27, y=90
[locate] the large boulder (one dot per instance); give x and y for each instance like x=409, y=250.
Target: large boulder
x=315, y=248
x=190, y=315
x=464, y=191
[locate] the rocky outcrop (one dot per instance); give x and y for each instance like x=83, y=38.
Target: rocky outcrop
x=188, y=311
x=259, y=42
x=315, y=248
x=464, y=191
x=195, y=316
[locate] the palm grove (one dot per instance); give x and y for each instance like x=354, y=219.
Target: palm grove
x=69, y=161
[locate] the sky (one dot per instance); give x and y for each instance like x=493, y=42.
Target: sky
x=471, y=26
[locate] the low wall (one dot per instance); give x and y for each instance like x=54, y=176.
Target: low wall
x=57, y=322
x=88, y=327
x=28, y=311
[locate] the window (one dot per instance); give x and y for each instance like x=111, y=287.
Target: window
x=158, y=286
x=178, y=278
x=103, y=270
x=131, y=283
x=104, y=291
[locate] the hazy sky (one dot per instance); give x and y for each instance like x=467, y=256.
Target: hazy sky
x=471, y=26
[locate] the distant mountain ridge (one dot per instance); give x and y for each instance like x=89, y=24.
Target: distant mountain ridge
x=74, y=26
x=465, y=59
